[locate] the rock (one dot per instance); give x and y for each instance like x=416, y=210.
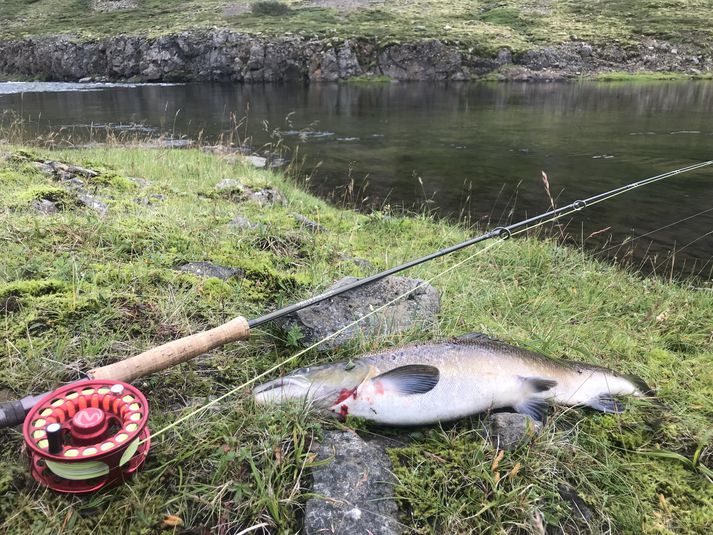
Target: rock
x=82, y=171
x=208, y=269
x=151, y=199
x=256, y=161
x=310, y=225
x=507, y=430
x=44, y=207
x=229, y=184
x=266, y=196
x=353, y=488
x=243, y=223
x=418, y=310
x=141, y=182
x=90, y=201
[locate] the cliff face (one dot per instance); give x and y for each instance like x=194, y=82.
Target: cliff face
x=224, y=55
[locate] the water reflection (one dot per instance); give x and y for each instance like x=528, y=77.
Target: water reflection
x=468, y=149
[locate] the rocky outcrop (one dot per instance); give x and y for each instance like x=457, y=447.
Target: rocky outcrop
x=227, y=56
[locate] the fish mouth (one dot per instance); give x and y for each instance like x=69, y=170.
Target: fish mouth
x=283, y=389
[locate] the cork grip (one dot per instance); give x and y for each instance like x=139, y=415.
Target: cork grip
x=173, y=353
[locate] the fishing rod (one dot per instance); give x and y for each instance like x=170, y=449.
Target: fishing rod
x=13, y=413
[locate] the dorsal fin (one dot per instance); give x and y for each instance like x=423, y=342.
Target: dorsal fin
x=475, y=337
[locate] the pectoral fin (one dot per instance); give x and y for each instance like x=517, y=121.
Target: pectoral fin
x=535, y=408
x=606, y=403
x=410, y=379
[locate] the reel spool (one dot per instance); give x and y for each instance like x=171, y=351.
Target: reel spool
x=87, y=436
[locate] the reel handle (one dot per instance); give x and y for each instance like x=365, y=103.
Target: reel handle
x=172, y=353
x=12, y=413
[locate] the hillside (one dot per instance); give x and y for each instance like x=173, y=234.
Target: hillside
x=484, y=25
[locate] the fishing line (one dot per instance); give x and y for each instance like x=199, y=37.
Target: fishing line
x=621, y=244
x=501, y=233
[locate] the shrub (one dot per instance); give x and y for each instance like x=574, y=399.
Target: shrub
x=270, y=8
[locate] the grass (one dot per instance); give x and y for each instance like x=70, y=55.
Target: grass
x=78, y=290
x=482, y=25
x=621, y=76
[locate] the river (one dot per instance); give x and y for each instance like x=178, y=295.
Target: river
x=471, y=151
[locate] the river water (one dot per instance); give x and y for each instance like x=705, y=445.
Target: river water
x=474, y=152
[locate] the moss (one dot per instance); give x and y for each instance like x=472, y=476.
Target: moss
x=63, y=198
x=32, y=288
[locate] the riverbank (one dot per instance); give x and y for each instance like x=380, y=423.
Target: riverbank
x=316, y=41
x=96, y=278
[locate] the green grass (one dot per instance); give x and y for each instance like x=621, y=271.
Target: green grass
x=78, y=290
x=481, y=25
x=621, y=76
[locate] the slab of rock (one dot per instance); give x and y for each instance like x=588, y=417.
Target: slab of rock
x=354, y=491
x=208, y=269
x=508, y=430
x=418, y=309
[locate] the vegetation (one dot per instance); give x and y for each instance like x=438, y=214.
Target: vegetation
x=78, y=289
x=483, y=25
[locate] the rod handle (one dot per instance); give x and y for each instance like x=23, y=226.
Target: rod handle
x=172, y=353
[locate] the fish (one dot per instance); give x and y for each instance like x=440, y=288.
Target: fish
x=441, y=381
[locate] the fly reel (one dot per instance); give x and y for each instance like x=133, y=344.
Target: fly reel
x=87, y=436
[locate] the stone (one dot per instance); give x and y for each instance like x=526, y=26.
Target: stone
x=256, y=161
x=266, y=196
x=228, y=184
x=418, y=310
x=243, y=223
x=508, y=430
x=90, y=201
x=208, y=269
x=44, y=207
x=307, y=223
x=353, y=488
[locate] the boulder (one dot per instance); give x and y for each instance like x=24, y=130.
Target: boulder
x=508, y=430
x=417, y=310
x=353, y=487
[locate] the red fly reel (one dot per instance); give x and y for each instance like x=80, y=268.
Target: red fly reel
x=87, y=435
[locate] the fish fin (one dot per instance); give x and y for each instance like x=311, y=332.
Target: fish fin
x=539, y=384
x=605, y=403
x=535, y=408
x=410, y=379
x=474, y=337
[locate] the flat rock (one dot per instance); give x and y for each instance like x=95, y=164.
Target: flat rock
x=208, y=269
x=355, y=491
x=508, y=430
x=418, y=310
